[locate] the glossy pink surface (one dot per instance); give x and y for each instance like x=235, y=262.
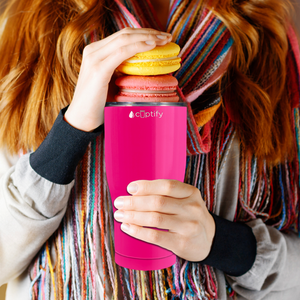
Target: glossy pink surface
x=143, y=143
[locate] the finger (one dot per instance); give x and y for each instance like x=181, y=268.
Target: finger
x=126, y=31
x=107, y=66
x=123, y=53
x=156, y=203
x=166, y=187
x=149, y=219
x=129, y=30
x=157, y=237
x=127, y=39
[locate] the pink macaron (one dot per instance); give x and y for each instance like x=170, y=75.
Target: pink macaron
x=134, y=88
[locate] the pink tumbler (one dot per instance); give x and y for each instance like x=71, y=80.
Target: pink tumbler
x=143, y=141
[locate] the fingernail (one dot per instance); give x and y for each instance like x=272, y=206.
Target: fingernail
x=132, y=188
x=165, y=33
x=119, y=203
x=125, y=226
x=119, y=215
x=150, y=42
x=162, y=37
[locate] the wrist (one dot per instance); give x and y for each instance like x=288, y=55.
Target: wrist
x=233, y=249
x=210, y=230
x=83, y=121
x=59, y=154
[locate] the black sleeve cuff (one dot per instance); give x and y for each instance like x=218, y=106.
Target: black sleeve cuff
x=233, y=249
x=59, y=154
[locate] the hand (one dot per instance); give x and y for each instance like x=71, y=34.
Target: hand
x=99, y=61
x=173, y=205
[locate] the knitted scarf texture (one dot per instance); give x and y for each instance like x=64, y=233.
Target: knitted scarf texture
x=67, y=265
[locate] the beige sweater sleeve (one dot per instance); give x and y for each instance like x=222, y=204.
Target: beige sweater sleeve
x=31, y=209
x=275, y=273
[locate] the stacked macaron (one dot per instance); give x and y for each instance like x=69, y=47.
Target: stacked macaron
x=160, y=88
x=146, y=81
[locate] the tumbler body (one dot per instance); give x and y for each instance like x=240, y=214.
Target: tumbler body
x=143, y=141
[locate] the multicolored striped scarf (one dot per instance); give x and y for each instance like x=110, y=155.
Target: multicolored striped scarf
x=67, y=266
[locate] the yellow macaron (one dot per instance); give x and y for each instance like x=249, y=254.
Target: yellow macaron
x=160, y=60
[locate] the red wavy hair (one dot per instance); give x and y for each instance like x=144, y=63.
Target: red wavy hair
x=256, y=93
x=41, y=51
